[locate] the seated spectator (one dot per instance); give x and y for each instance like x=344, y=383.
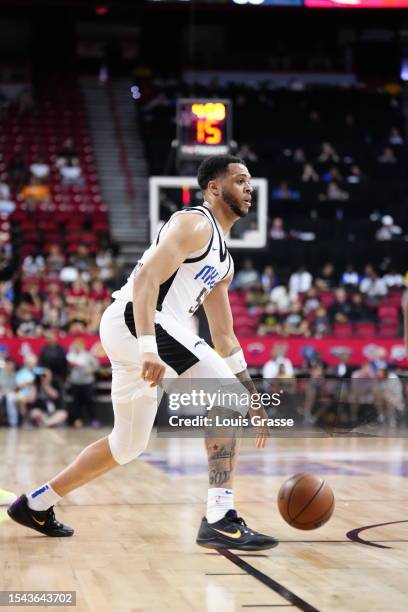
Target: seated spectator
x=5, y=327
x=334, y=193
x=35, y=192
x=389, y=396
x=388, y=229
x=395, y=137
x=99, y=293
x=247, y=153
x=300, y=281
x=55, y=259
x=78, y=294
x=283, y=192
x=350, y=278
x=333, y=174
x=53, y=357
x=54, y=314
x=253, y=232
x=311, y=301
x=372, y=285
x=269, y=279
x=277, y=230
x=355, y=175
x=328, y=154
x=278, y=359
x=7, y=205
x=326, y=279
x=256, y=296
x=71, y=174
x=82, y=379
x=67, y=154
x=82, y=259
x=247, y=277
x=270, y=321
x=299, y=156
x=38, y=394
x=339, y=311
x=8, y=391
x=393, y=279
x=387, y=156
x=33, y=265
x=69, y=274
x=359, y=311
x=27, y=326
x=320, y=324
x=40, y=169
x=281, y=298
x=6, y=297
x=294, y=324
x=309, y=174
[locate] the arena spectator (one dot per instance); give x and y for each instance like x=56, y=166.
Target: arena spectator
x=281, y=298
x=81, y=259
x=40, y=169
x=6, y=330
x=395, y=137
x=350, y=278
x=343, y=370
x=389, y=399
x=247, y=154
x=332, y=174
x=53, y=357
x=300, y=281
x=269, y=321
x=35, y=192
x=82, y=380
x=294, y=323
x=359, y=311
x=339, y=310
x=7, y=205
x=269, y=279
x=372, y=285
x=256, y=296
x=8, y=391
x=67, y=154
x=328, y=154
x=33, y=265
x=320, y=324
x=55, y=259
x=334, y=193
x=388, y=229
x=311, y=301
x=277, y=229
x=71, y=173
x=387, y=156
x=299, y=156
x=283, y=192
x=393, y=279
x=69, y=273
x=247, y=277
x=278, y=358
x=355, y=176
x=54, y=313
x=326, y=278
x=309, y=174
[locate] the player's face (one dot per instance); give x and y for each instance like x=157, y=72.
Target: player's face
x=236, y=189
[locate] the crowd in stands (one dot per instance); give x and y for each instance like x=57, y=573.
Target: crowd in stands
x=35, y=392
x=364, y=304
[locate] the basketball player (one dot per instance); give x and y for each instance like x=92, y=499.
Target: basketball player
x=145, y=337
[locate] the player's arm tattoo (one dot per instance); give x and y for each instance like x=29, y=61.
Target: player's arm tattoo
x=244, y=376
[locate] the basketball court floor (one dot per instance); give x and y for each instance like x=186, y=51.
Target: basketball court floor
x=134, y=547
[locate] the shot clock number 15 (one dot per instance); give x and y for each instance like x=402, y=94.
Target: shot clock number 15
x=203, y=127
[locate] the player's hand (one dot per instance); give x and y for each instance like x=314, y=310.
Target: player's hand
x=262, y=431
x=153, y=368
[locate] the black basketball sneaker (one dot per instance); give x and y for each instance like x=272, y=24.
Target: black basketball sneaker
x=44, y=521
x=232, y=532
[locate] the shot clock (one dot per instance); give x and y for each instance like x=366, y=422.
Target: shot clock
x=203, y=127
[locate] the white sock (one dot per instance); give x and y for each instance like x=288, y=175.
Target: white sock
x=43, y=498
x=219, y=501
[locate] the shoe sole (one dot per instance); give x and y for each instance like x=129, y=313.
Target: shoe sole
x=214, y=546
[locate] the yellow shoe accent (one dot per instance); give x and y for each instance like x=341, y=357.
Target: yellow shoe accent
x=235, y=535
x=39, y=522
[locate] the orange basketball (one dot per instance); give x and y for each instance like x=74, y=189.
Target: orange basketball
x=306, y=501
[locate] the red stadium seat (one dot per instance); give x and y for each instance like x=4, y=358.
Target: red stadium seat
x=364, y=330
x=342, y=330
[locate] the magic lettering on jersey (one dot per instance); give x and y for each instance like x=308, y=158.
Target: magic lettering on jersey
x=209, y=275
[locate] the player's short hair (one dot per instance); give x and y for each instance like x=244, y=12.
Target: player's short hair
x=215, y=166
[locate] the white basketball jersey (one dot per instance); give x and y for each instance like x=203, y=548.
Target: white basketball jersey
x=181, y=295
